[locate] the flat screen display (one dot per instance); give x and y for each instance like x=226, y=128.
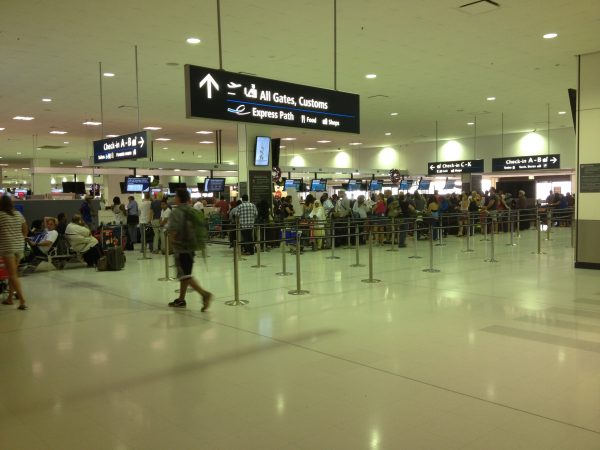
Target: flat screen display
x=318, y=185
x=75, y=187
x=214, y=185
x=137, y=184
x=261, y=150
x=291, y=183
x=450, y=184
x=174, y=186
x=354, y=185
x=424, y=185
x=376, y=185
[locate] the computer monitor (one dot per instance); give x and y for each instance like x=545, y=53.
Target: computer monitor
x=75, y=187
x=136, y=185
x=261, y=150
x=424, y=185
x=450, y=184
x=214, y=184
x=318, y=185
x=376, y=185
x=292, y=183
x=354, y=185
x=174, y=186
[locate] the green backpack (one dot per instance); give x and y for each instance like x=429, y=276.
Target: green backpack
x=198, y=229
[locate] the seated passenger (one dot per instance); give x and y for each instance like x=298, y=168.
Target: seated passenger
x=62, y=223
x=42, y=242
x=81, y=240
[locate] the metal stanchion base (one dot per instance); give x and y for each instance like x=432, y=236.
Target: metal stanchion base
x=332, y=257
x=485, y=240
x=236, y=302
x=538, y=253
x=440, y=245
x=357, y=265
x=371, y=280
x=144, y=257
x=283, y=274
x=470, y=250
x=511, y=245
x=167, y=279
x=393, y=249
x=298, y=292
x=257, y=266
x=415, y=257
x=431, y=270
x=492, y=260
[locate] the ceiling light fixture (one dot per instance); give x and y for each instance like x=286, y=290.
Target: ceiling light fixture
x=58, y=132
x=203, y=132
x=163, y=139
x=18, y=153
x=491, y=99
x=47, y=100
x=165, y=148
x=370, y=76
x=23, y=118
x=355, y=143
x=172, y=159
x=152, y=128
x=111, y=135
x=2, y=129
x=324, y=141
x=66, y=142
x=388, y=133
x=176, y=170
x=108, y=74
x=394, y=114
x=470, y=123
x=206, y=142
x=92, y=123
x=550, y=35
x=310, y=148
x=193, y=40
x=288, y=139
x=560, y=112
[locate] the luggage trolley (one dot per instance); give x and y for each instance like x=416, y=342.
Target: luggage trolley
x=3, y=277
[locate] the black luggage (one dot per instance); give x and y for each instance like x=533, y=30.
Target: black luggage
x=115, y=258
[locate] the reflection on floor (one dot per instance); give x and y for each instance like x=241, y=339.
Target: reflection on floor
x=478, y=356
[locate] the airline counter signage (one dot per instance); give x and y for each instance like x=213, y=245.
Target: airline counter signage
x=217, y=94
x=535, y=162
x=450, y=167
x=127, y=146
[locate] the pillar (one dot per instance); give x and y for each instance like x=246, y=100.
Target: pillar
x=254, y=186
x=40, y=182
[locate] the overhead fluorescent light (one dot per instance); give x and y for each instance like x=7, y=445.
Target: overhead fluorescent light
x=18, y=153
x=491, y=99
x=47, y=100
x=206, y=142
x=388, y=133
x=111, y=135
x=394, y=114
x=288, y=139
x=310, y=148
x=355, y=143
x=66, y=142
x=108, y=74
x=324, y=141
x=560, y=112
x=58, y=132
x=203, y=132
x=23, y=118
x=24, y=168
x=371, y=76
x=2, y=129
x=92, y=123
x=163, y=139
x=165, y=148
x=193, y=40
x=550, y=35
x=172, y=159
x=152, y=128
x=470, y=123
x=282, y=146
x=176, y=170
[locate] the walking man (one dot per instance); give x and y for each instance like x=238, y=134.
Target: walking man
x=182, y=242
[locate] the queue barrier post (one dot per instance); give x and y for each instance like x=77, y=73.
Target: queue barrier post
x=431, y=269
x=512, y=228
x=333, y=241
x=298, y=290
x=485, y=223
x=236, y=284
x=258, y=265
x=284, y=271
x=518, y=223
x=356, y=245
x=393, y=239
x=548, y=223
x=492, y=258
x=441, y=233
x=415, y=239
x=371, y=279
x=538, y=225
x=167, y=277
x=143, y=233
x=572, y=230
x=470, y=234
x=348, y=243
x=237, y=245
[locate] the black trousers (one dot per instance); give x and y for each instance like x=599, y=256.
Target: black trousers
x=247, y=238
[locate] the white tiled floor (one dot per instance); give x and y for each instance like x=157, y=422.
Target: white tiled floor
x=478, y=356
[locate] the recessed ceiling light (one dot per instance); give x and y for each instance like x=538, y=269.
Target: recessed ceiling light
x=1, y=158
x=550, y=35
x=288, y=139
x=152, y=128
x=58, y=132
x=394, y=114
x=47, y=100
x=24, y=168
x=163, y=139
x=23, y=118
x=176, y=170
x=371, y=75
x=491, y=99
x=2, y=129
x=165, y=148
x=79, y=167
x=388, y=133
x=172, y=159
x=203, y=132
x=324, y=141
x=18, y=153
x=61, y=163
x=66, y=142
x=206, y=142
x=92, y=123
x=108, y=74
x=560, y=112
x=355, y=143
x=111, y=135
x=310, y=148
x=282, y=146
x=193, y=40
x=470, y=123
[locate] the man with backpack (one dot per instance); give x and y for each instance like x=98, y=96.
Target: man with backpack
x=187, y=233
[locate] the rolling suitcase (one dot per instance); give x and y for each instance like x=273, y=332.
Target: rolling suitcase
x=115, y=258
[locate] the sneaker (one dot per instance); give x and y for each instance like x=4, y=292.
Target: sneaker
x=177, y=303
x=22, y=307
x=206, y=301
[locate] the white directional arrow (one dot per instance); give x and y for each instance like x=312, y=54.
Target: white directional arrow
x=554, y=159
x=432, y=167
x=210, y=82
x=141, y=141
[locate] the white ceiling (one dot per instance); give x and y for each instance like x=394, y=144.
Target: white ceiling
x=433, y=62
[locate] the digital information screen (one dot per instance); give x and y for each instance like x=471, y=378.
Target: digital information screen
x=318, y=185
x=214, y=184
x=261, y=151
x=217, y=94
x=137, y=184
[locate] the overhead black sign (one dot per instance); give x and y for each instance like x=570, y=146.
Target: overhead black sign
x=127, y=146
x=526, y=163
x=216, y=94
x=449, y=167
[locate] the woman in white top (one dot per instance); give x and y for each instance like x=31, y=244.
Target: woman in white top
x=81, y=240
x=119, y=211
x=318, y=214
x=13, y=230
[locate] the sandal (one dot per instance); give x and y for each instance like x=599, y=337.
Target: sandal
x=7, y=302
